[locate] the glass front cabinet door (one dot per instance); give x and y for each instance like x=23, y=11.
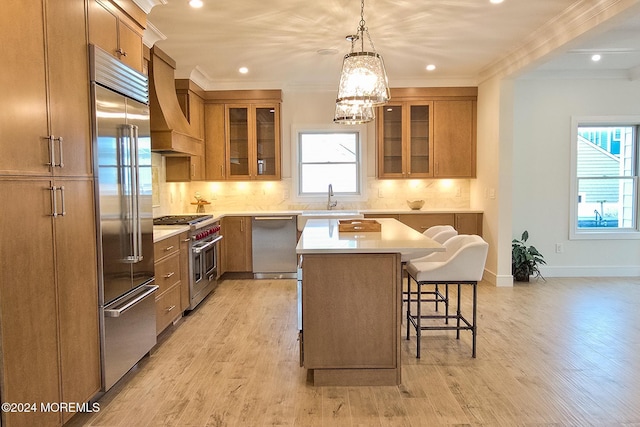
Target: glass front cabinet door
x=405, y=140
x=253, y=141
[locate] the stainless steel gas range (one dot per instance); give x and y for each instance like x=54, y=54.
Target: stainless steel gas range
x=204, y=242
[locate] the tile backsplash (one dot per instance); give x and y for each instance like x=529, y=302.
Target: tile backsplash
x=252, y=196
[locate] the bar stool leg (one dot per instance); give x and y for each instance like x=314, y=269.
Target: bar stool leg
x=446, y=304
x=473, y=327
x=408, y=303
x=418, y=320
x=458, y=314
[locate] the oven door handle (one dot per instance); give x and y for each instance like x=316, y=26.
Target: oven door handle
x=199, y=249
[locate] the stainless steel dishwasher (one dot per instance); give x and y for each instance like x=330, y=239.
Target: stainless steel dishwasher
x=274, y=247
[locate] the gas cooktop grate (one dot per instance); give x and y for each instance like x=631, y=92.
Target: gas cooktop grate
x=180, y=219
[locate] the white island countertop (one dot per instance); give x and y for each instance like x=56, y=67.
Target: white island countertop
x=321, y=236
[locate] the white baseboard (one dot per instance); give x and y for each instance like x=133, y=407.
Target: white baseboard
x=590, y=271
x=499, y=281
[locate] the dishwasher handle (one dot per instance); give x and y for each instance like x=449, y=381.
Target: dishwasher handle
x=117, y=312
x=273, y=218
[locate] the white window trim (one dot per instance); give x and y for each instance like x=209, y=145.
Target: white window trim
x=295, y=161
x=574, y=233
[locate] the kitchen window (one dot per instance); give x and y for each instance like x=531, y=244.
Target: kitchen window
x=604, y=189
x=329, y=157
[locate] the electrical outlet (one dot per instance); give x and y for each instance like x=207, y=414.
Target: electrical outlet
x=380, y=193
x=458, y=191
x=214, y=196
x=559, y=248
x=285, y=194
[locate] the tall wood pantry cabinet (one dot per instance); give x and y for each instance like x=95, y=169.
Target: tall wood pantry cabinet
x=49, y=334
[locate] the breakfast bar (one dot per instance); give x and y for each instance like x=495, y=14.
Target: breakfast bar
x=351, y=287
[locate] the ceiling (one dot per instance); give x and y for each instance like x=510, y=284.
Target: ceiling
x=300, y=44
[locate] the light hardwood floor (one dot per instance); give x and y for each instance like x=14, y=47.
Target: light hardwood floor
x=565, y=352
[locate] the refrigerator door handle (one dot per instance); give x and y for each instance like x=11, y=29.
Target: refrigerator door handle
x=126, y=183
x=135, y=173
x=117, y=312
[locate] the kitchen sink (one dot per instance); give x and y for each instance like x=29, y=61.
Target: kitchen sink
x=326, y=214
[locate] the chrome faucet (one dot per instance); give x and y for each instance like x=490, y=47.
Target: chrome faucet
x=330, y=204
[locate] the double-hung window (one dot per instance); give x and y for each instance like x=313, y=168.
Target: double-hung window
x=605, y=178
x=326, y=157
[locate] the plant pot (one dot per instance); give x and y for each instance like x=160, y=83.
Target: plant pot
x=521, y=277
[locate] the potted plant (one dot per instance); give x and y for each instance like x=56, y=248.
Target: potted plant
x=525, y=260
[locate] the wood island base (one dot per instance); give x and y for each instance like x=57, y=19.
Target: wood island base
x=351, y=318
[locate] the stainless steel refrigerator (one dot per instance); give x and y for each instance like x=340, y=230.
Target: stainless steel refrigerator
x=122, y=164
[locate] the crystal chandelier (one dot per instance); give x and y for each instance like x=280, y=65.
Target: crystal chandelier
x=363, y=80
x=353, y=114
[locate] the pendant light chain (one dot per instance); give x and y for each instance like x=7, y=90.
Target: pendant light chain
x=362, y=29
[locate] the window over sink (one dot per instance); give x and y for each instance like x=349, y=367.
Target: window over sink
x=333, y=157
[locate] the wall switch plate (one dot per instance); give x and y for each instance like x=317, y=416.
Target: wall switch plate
x=559, y=248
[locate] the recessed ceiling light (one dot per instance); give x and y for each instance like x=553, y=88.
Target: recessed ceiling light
x=496, y=1
x=431, y=67
x=196, y=3
x=596, y=58
x=243, y=70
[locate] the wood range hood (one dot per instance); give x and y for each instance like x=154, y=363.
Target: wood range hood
x=171, y=133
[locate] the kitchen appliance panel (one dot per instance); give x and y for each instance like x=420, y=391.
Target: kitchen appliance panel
x=274, y=247
x=130, y=331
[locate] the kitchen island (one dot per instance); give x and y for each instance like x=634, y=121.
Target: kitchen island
x=351, y=300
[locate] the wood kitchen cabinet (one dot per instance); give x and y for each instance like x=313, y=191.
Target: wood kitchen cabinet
x=168, y=274
x=50, y=348
x=427, y=133
x=117, y=27
x=405, y=135
x=189, y=168
x=236, y=244
x=45, y=91
x=454, y=137
x=249, y=132
x=464, y=223
x=48, y=297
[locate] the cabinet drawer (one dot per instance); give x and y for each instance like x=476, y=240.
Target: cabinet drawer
x=167, y=272
x=167, y=308
x=166, y=247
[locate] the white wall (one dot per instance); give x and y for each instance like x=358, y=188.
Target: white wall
x=541, y=175
x=491, y=192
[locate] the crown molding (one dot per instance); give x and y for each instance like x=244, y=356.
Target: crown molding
x=574, y=22
x=151, y=35
x=147, y=5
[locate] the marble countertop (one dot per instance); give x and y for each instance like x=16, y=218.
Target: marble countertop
x=321, y=236
x=161, y=232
